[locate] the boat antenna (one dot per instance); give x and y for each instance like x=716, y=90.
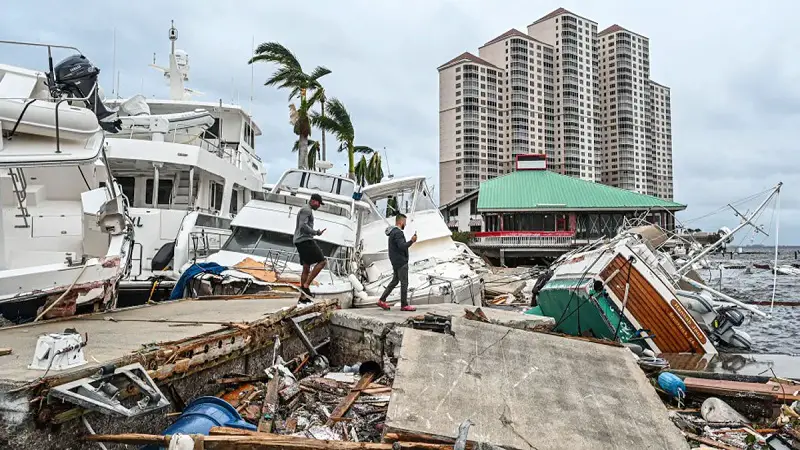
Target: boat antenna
x=114, y=62
x=388, y=170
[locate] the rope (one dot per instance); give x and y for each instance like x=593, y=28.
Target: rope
x=83, y=269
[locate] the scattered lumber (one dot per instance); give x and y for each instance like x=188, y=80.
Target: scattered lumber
x=347, y=402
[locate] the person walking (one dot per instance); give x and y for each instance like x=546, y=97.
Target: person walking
x=398, y=255
x=307, y=249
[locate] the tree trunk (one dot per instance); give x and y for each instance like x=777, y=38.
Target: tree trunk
x=324, y=152
x=302, y=152
x=351, y=173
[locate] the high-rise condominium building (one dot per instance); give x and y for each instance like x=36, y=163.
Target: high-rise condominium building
x=582, y=97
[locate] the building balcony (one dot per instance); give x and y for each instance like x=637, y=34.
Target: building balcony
x=523, y=239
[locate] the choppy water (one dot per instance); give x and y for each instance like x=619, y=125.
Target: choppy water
x=781, y=332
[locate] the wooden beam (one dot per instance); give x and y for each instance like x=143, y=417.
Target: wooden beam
x=5, y=351
x=224, y=439
x=347, y=402
x=270, y=405
x=710, y=442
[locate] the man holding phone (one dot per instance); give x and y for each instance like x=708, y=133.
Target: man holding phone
x=307, y=248
x=398, y=255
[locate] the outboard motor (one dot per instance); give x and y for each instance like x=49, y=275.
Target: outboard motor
x=76, y=77
x=726, y=334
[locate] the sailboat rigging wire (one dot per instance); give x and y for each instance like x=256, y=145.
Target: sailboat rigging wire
x=775, y=264
x=724, y=208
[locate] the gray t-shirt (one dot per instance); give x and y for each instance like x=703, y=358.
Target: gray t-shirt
x=304, y=231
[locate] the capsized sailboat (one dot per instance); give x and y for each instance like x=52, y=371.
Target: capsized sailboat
x=626, y=289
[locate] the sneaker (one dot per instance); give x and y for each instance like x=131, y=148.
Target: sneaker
x=383, y=305
x=308, y=292
x=408, y=308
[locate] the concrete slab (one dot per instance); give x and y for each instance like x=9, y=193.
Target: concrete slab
x=371, y=333
x=372, y=317
x=526, y=390
x=133, y=328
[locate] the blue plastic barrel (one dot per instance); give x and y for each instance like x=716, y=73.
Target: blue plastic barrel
x=202, y=414
x=673, y=385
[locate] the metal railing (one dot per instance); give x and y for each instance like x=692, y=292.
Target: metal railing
x=20, y=192
x=524, y=240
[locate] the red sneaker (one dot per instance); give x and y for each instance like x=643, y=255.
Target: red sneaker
x=408, y=308
x=383, y=305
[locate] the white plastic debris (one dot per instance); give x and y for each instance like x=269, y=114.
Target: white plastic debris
x=355, y=282
x=717, y=411
x=58, y=351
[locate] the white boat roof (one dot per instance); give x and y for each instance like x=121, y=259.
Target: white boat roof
x=386, y=188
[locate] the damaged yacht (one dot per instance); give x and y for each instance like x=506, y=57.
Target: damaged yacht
x=66, y=237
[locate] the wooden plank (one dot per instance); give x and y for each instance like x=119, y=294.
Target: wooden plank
x=776, y=391
x=270, y=406
x=396, y=435
x=672, y=335
x=347, y=402
x=5, y=351
x=710, y=442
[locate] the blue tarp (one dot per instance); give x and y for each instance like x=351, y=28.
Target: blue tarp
x=193, y=271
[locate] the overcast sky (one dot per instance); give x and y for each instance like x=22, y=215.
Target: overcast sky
x=732, y=67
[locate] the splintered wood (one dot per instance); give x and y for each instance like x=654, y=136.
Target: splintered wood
x=236, y=439
x=347, y=402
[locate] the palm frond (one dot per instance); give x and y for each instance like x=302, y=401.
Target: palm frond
x=284, y=76
x=318, y=73
x=276, y=53
x=328, y=124
x=336, y=110
x=312, y=146
x=363, y=149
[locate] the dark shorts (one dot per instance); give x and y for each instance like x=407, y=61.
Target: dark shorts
x=309, y=252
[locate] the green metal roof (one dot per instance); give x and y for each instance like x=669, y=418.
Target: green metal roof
x=546, y=190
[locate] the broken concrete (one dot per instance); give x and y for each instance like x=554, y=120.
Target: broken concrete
x=182, y=360
x=370, y=333
x=526, y=390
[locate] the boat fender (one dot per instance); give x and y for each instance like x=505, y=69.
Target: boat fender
x=356, y=284
x=673, y=385
x=649, y=353
x=362, y=295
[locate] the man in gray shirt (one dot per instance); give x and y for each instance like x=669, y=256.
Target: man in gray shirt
x=307, y=248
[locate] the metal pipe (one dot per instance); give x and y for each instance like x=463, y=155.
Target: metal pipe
x=685, y=268
x=725, y=297
x=155, y=185
x=191, y=187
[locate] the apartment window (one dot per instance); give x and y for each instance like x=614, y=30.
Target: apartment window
x=458, y=69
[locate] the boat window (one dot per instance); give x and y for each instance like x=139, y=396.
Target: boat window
x=234, y=208
x=207, y=220
x=292, y=180
x=164, y=191
x=258, y=195
x=128, y=185
x=216, y=196
x=270, y=244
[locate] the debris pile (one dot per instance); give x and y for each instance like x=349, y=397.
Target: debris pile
x=313, y=401
x=727, y=414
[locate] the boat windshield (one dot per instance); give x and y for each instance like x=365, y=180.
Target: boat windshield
x=274, y=245
x=407, y=201
x=318, y=182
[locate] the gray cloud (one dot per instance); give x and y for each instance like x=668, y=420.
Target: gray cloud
x=735, y=90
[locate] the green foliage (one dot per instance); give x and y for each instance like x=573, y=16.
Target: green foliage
x=463, y=236
x=369, y=171
x=337, y=121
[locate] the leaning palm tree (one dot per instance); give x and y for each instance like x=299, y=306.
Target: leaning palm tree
x=338, y=123
x=305, y=87
x=313, y=151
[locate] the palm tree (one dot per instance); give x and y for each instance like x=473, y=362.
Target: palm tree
x=305, y=87
x=369, y=171
x=338, y=123
x=313, y=151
